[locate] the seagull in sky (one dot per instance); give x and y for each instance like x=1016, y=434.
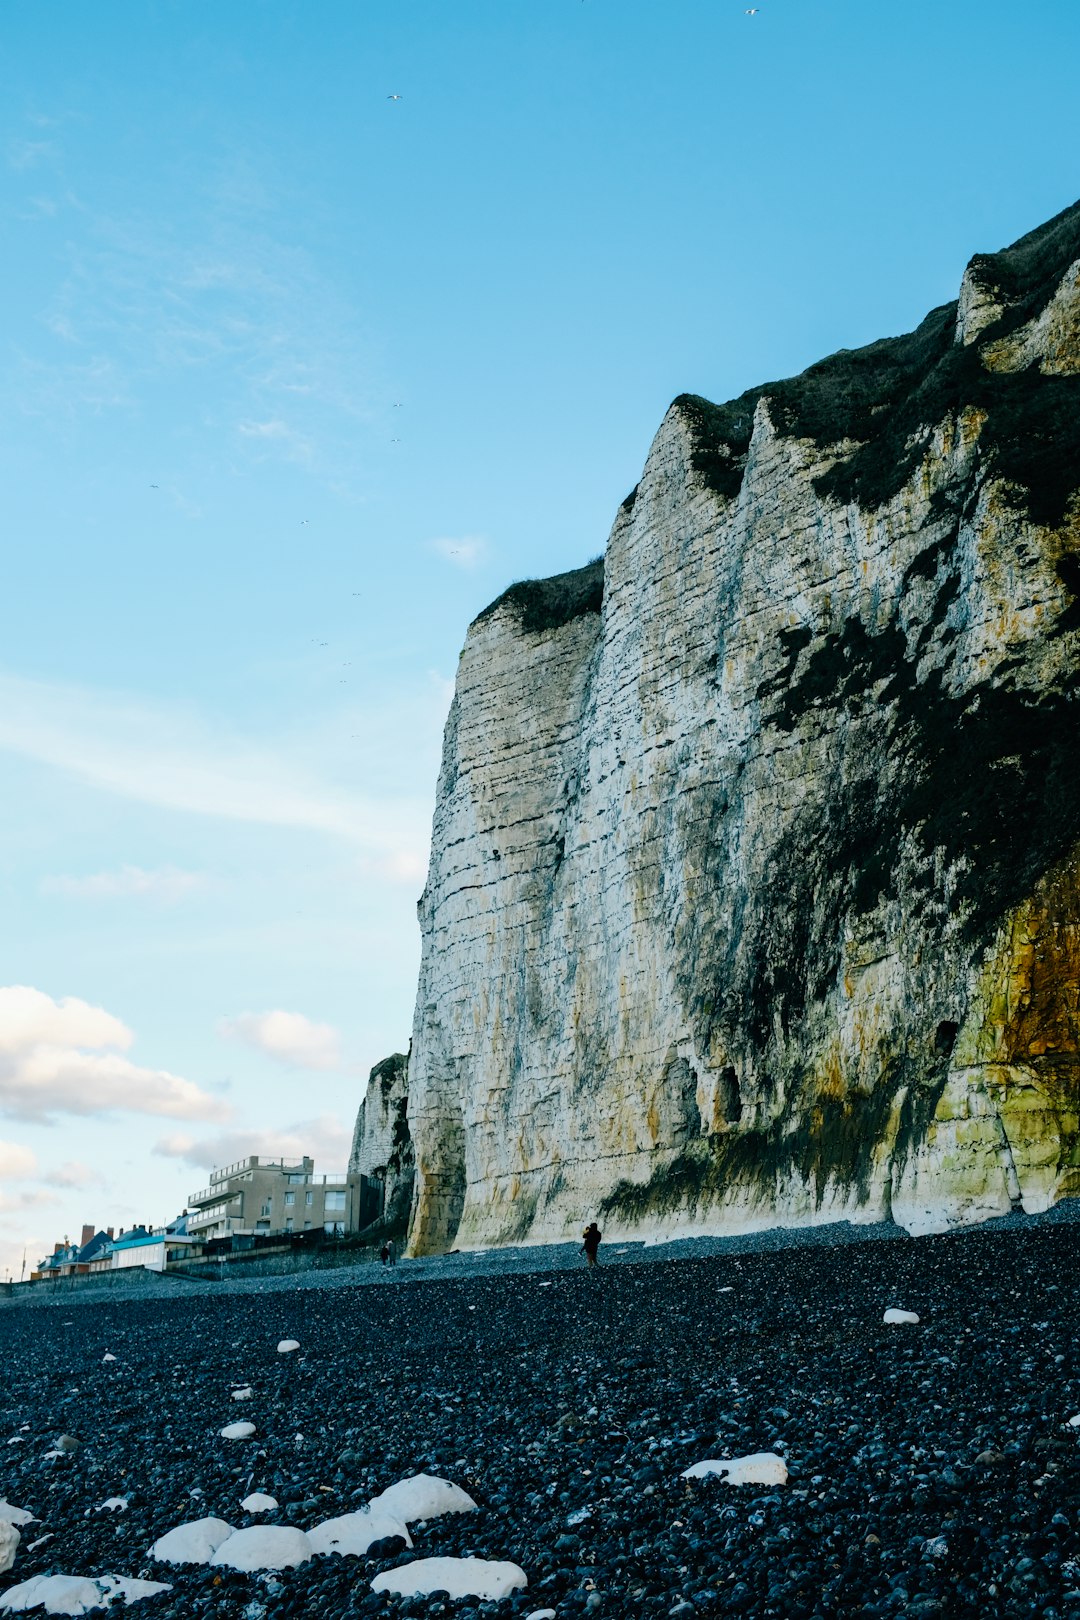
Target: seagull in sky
x=395, y=98
x=751, y=11
x=155, y=486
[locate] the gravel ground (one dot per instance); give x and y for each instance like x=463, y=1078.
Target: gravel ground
x=932, y=1468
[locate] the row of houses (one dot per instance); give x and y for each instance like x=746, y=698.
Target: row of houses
x=255, y=1198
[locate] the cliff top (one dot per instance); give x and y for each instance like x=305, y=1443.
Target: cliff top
x=885, y=397
x=546, y=604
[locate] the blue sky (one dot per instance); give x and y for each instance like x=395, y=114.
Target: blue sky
x=296, y=378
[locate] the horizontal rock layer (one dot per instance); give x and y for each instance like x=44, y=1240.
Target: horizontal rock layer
x=755, y=884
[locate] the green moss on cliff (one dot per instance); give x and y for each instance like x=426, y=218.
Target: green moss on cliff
x=837, y=1141
x=547, y=604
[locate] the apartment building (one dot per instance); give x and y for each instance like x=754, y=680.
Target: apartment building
x=257, y=1196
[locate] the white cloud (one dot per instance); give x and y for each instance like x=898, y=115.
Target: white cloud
x=28, y=1198
x=326, y=1139
x=167, y=883
x=28, y=154
x=166, y=758
x=465, y=552
x=404, y=866
x=288, y=1037
x=274, y=429
x=73, y=1173
x=17, y=1163
x=66, y=1057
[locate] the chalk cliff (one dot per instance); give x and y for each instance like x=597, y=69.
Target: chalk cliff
x=382, y=1145
x=755, y=887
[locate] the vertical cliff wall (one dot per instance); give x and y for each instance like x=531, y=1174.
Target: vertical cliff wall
x=382, y=1143
x=755, y=884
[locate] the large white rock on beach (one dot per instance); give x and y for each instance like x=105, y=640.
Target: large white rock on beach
x=461, y=1577
x=76, y=1594
x=351, y=1534
x=10, y=1514
x=193, y=1543
x=9, y=1546
x=238, y=1431
x=895, y=1318
x=758, y=1468
x=424, y=1496
x=259, y=1502
x=264, y=1546
x=287, y=1346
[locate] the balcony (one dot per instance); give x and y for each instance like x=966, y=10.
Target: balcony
x=226, y=1209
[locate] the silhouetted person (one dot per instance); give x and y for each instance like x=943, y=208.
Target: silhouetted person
x=591, y=1242
x=392, y=1253
x=384, y=1254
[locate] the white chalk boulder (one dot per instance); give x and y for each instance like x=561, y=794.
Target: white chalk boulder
x=351, y=1534
x=259, y=1502
x=10, y=1514
x=9, y=1546
x=287, y=1346
x=193, y=1543
x=238, y=1431
x=759, y=1468
x=895, y=1318
x=244, y=1393
x=75, y=1594
x=461, y=1577
x=423, y=1496
x=264, y=1546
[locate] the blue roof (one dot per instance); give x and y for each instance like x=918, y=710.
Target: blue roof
x=138, y=1242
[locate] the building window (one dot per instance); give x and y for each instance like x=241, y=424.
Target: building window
x=296, y=1181
x=288, y=1223
x=334, y=1200
x=309, y=1199
x=265, y=1211
x=290, y=1200
x=307, y=1226
x=334, y=1228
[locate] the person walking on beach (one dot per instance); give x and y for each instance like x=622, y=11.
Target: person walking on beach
x=391, y=1253
x=384, y=1254
x=591, y=1242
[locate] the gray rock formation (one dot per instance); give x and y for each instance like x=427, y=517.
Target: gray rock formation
x=755, y=890
x=381, y=1144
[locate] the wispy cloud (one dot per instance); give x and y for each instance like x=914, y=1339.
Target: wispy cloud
x=295, y=445
x=73, y=1173
x=326, y=1139
x=287, y=1037
x=28, y=154
x=67, y=1057
x=17, y=1163
x=127, y=882
x=467, y=551
x=169, y=759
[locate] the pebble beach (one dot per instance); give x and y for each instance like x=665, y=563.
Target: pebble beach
x=919, y=1467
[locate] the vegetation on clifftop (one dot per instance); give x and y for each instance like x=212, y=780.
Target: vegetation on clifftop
x=547, y=604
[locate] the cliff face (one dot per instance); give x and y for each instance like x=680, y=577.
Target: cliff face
x=382, y=1145
x=755, y=886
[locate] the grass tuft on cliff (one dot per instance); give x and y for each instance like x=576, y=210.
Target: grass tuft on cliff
x=548, y=604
